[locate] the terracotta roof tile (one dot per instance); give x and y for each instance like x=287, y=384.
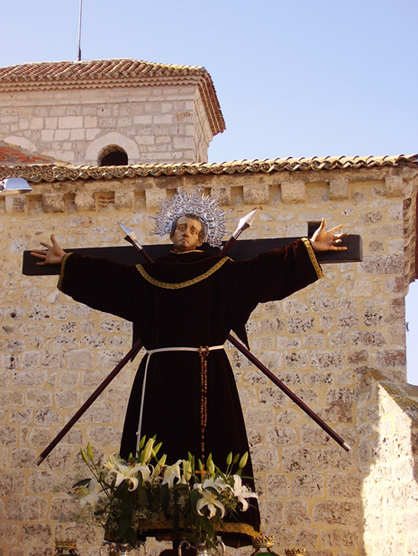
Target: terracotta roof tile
x=11, y=155
x=101, y=74
x=54, y=173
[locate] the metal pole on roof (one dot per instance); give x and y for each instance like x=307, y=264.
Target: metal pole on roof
x=79, y=32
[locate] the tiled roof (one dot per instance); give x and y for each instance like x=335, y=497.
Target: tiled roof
x=51, y=173
x=11, y=155
x=99, y=74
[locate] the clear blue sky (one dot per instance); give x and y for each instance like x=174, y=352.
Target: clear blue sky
x=294, y=78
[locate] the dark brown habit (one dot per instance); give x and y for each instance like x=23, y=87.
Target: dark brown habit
x=188, y=300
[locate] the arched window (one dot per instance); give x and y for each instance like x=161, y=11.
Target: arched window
x=113, y=155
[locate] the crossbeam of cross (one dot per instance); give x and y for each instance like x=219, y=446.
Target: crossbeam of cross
x=242, y=249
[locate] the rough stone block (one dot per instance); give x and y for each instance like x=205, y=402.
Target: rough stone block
x=280, y=436
x=80, y=359
x=297, y=513
x=12, y=483
x=15, y=204
x=325, y=360
x=335, y=512
x=272, y=397
x=308, y=485
x=53, y=202
x=27, y=508
x=340, y=537
x=257, y=194
x=223, y=193
x=299, y=325
x=62, y=509
x=338, y=189
x=293, y=191
x=297, y=229
x=84, y=200
x=154, y=197
x=35, y=534
x=42, y=482
x=70, y=122
x=278, y=486
x=22, y=458
x=256, y=417
x=272, y=511
x=8, y=436
x=391, y=358
x=294, y=307
x=265, y=460
x=38, y=398
x=347, y=320
x=8, y=533
x=106, y=436
x=394, y=186
x=383, y=264
x=296, y=459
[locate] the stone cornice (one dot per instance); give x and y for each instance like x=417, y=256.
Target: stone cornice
x=53, y=173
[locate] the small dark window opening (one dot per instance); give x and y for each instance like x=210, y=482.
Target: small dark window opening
x=113, y=155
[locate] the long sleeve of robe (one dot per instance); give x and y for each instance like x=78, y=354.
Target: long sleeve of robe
x=188, y=300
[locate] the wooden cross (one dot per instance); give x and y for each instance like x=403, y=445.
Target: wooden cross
x=242, y=249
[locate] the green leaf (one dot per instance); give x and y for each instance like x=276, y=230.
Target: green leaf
x=123, y=525
x=142, y=497
x=207, y=526
x=131, y=536
x=83, y=482
x=127, y=508
x=194, y=497
x=141, y=444
x=164, y=498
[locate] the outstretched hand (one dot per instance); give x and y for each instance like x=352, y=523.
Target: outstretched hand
x=324, y=240
x=52, y=254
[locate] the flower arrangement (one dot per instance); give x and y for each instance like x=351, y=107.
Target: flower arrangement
x=125, y=497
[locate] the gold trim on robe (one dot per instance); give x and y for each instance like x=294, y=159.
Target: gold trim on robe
x=312, y=256
x=61, y=278
x=171, y=286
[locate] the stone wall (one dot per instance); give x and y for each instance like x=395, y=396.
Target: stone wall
x=388, y=421
x=322, y=342
x=152, y=124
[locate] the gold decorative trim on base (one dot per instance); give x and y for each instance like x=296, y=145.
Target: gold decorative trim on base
x=313, y=258
x=228, y=527
x=170, y=286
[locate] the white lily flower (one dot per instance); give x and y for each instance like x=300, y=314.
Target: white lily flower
x=218, y=484
x=171, y=473
x=242, y=492
x=111, y=464
x=87, y=494
x=145, y=473
x=209, y=501
x=126, y=473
